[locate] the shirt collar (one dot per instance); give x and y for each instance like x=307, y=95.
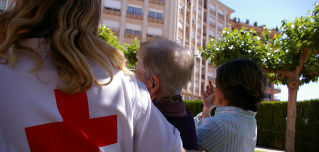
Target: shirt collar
x=234, y=110
x=171, y=106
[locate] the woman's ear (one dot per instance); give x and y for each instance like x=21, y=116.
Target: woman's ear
x=154, y=85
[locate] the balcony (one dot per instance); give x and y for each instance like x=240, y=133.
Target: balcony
x=181, y=17
x=134, y=16
x=154, y=20
x=116, y=33
x=112, y=11
x=158, y=2
x=212, y=25
x=180, y=32
x=182, y=3
x=151, y=37
x=132, y=35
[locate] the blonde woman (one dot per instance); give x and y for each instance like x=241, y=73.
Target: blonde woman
x=63, y=89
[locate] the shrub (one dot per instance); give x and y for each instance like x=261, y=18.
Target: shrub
x=196, y=106
x=271, y=122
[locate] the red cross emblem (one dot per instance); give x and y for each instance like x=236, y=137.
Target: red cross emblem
x=77, y=132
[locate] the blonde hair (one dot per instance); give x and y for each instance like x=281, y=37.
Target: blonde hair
x=70, y=27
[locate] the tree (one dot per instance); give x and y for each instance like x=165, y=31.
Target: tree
x=235, y=19
x=247, y=21
x=255, y=23
x=129, y=50
x=291, y=58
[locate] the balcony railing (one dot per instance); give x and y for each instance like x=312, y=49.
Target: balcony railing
x=134, y=16
x=112, y=11
x=159, y=2
x=132, y=36
x=151, y=37
x=154, y=20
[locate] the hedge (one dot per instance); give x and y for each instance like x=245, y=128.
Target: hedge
x=271, y=121
x=195, y=106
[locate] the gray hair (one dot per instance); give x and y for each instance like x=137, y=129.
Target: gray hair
x=172, y=63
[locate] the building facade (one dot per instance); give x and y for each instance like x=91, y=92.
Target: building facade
x=191, y=23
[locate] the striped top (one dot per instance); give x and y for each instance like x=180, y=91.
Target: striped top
x=231, y=129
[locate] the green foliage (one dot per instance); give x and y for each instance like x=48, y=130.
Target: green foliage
x=247, y=21
x=279, y=53
x=195, y=106
x=302, y=33
x=130, y=53
x=108, y=36
x=243, y=44
x=271, y=121
x=129, y=50
x=235, y=19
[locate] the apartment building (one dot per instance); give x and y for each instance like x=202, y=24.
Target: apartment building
x=191, y=23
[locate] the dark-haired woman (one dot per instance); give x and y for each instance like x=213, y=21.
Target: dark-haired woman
x=239, y=89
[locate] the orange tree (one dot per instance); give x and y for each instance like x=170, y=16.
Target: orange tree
x=129, y=50
x=291, y=58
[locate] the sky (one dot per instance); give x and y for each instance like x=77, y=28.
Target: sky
x=270, y=13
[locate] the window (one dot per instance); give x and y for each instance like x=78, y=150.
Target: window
x=138, y=11
x=151, y=14
x=114, y=9
x=130, y=31
x=212, y=8
x=221, y=16
x=193, y=34
x=134, y=10
x=159, y=16
x=130, y=10
x=2, y=5
x=268, y=96
x=181, y=8
x=155, y=15
x=212, y=22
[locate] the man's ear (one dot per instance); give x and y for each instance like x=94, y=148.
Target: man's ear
x=154, y=85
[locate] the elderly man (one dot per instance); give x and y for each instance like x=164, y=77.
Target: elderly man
x=165, y=67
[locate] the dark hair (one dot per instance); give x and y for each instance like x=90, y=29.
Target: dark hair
x=242, y=82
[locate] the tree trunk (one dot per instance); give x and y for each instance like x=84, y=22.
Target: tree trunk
x=293, y=86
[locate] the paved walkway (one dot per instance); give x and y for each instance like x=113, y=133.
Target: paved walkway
x=267, y=149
